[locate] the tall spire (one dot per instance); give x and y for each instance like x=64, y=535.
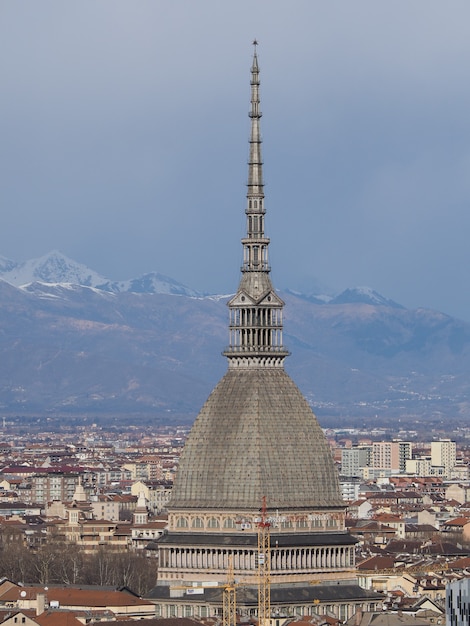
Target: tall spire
x=255, y=196
x=256, y=309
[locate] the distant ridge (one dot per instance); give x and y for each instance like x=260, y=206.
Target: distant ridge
x=56, y=268
x=74, y=343
x=53, y=267
x=363, y=295
x=150, y=283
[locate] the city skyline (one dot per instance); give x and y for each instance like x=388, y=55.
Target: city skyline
x=124, y=142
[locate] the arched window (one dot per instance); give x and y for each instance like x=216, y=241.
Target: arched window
x=213, y=522
x=197, y=523
x=181, y=522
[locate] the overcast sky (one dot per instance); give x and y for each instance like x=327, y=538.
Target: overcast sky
x=124, y=140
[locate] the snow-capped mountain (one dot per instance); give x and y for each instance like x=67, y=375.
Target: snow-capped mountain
x=74, y=342
x=316, y=298
x=56, y=268
x=363, y=295
x=150, y=283
x=6, y=265
x=53, y=267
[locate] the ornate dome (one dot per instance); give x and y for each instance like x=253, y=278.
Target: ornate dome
x=256, y=436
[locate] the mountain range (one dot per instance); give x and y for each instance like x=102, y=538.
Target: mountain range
x=75, y=343
x=55, y=267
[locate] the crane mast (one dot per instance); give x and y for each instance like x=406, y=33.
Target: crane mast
x=229, y=608
x=264, y=568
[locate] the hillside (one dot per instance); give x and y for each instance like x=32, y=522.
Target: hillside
x=70, y=349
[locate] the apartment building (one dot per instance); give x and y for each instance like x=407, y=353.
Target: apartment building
x=444, y=454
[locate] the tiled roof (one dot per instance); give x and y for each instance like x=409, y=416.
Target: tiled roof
x=251, y=539
x=377, y=563
x=58, y=618
x=463, y=563
x=70, y=596
x=159, y=621
x=255, y=437
x=458, y=522
x=279, y=595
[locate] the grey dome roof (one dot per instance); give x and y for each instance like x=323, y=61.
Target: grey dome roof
x=256, y=436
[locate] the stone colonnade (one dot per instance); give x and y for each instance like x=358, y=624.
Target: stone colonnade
x=292, y=560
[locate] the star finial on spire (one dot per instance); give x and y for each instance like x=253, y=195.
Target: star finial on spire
x=255, y=43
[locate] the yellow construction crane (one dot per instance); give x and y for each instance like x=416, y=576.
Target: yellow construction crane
x=264, y=568
x=229, y=606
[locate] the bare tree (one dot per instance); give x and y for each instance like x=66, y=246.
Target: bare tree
x=46, y=562
x=62, y=562
x=16, y=562
x=70, y=568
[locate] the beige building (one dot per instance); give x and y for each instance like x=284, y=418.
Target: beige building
x=444, y=454
x=157, y=494
x=105, y=507
x=459, y=492
x=54, y=485
x=390, y=455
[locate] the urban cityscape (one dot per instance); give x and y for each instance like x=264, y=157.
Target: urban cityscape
x=271, y=507
x=107, y=494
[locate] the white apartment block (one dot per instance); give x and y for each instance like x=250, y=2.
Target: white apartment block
x=444, y=454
